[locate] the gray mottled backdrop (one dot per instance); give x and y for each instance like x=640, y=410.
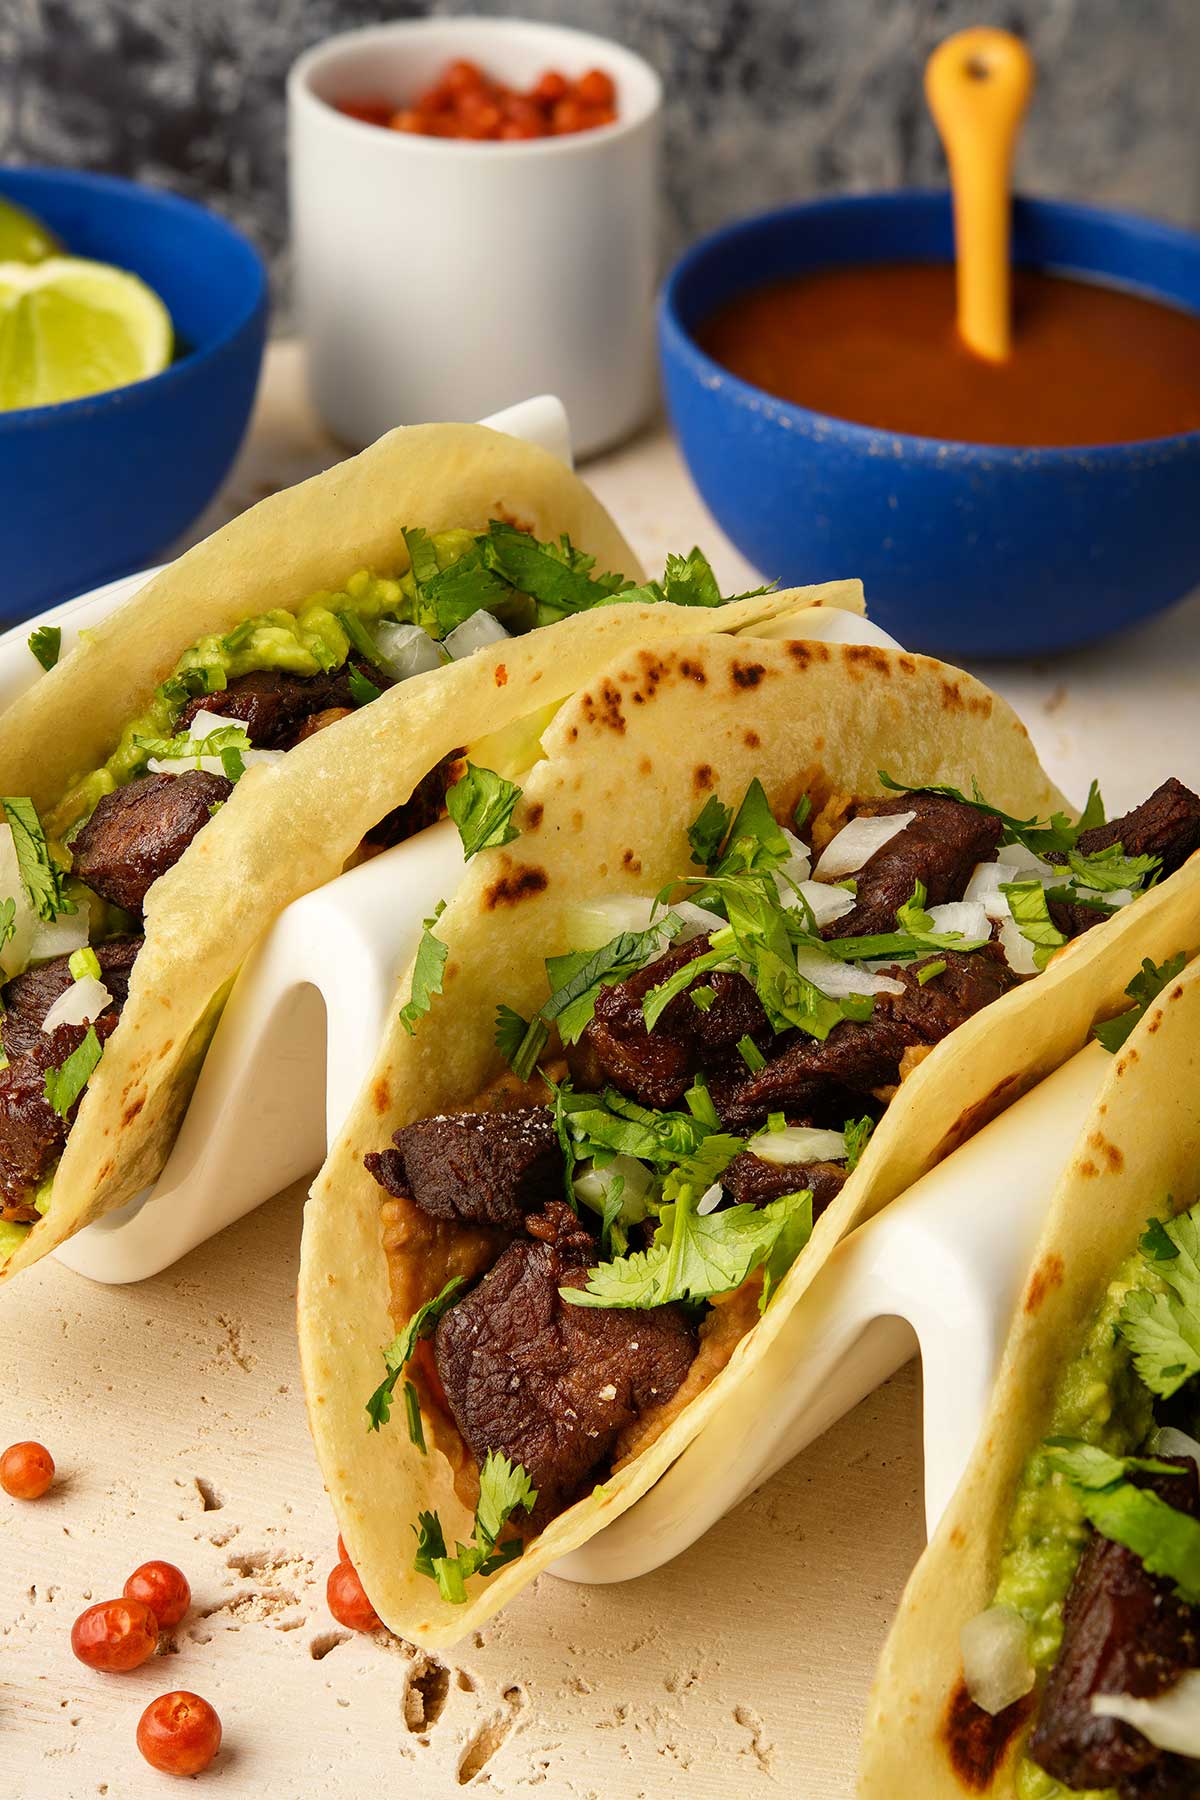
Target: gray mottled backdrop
x=767, y=100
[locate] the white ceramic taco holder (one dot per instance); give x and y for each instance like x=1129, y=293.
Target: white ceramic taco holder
x=939, y=1270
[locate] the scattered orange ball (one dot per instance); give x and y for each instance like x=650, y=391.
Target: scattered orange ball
x=115, y=1636
x=163, y=1588
x=26, y=1471
x=465, y=103
x=347, y=1600
x=179, y=1733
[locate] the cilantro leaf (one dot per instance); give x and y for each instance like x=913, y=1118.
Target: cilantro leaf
x=576, y=978
x=610, y=1122
x=687, y=581
x=557, y=576
x=1088, y=1466
x=1109, y=869
x=755, y=842
x=84, y=962
x=1038, y=835
x=504, y=1488
x=359, y=637
x=41, y=877
x=481, y=804
x=428, y=970
x=1030, y=908
x=397, y=1353
x=422, y=557
x=1166, y=1540
x=519, y=1042
x=412, y=1413
x=1143, y=990
x=458, y=592
x=46, y=643
x=362, y=691
x=8, y=922
x=65, y=1084
x=707, y=831
x=228, y=742
x=1162, y=1330
x=857, y=1133
x=657, y=999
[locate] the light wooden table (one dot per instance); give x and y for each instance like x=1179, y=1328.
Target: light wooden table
x=174, y=1411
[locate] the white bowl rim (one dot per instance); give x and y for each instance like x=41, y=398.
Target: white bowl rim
x=643, y=103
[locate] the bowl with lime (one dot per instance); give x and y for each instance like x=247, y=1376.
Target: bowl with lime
x=131, y=336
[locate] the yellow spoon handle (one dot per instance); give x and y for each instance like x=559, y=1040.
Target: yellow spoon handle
x=978, y=85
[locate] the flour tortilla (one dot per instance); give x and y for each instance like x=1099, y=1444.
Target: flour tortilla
x=290, y=828
x=1140, y=1146
x=630, y=762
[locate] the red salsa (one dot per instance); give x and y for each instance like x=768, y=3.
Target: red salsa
x=465, y=103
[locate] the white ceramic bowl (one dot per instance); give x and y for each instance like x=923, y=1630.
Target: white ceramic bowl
x=443, y=279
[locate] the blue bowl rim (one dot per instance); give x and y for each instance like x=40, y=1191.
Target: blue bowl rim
x=163, y=200
x=716, y=376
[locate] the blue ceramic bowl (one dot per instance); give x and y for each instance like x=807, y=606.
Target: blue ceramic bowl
x=964, y=549
x=96, y=487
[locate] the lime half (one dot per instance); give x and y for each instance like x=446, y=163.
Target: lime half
x=70, y=328
x=22, y=237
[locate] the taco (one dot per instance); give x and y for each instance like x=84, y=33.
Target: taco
x=747, y=989
x=285, y=697
x=1048, y=1643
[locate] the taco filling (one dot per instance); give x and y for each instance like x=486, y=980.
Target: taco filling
x=575, y=1256
x=73, y=887
x=1098, y=1599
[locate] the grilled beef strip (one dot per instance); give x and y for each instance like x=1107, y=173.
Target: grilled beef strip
x=1124, y=1632
x=750, y=1180
x=940, y=848
x=549, y=1384
x=141, y=830
x=480, y=1168
x=1167, y=825
x=275, y=708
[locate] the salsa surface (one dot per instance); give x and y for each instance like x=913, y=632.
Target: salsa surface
x=878, y=345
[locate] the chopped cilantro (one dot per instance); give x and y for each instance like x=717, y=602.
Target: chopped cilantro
x=520, y=1042
x=687, y=581
x=557, y=576
x=1040, y=836
x=857, y=1133
x=1108, y=870
x=65, y=1084
x=397, y=1353
x=362, y=691
x=41, y=877
x=84, y=962
x=228, y=742
x=422, y=556
x=929, y=970
x=750, y=1054
x=658, y=998
x=428, y=970
x=1088, y=1466
x=755, y=840
x=46, y=643
x=1162, y=1330
x=481, y=804
x=1166, y=1540
x=412, y=1414
x=702, y=997
x=504, y=1488
x=802, y=813
x=8, y=927
x=576, y=978
x=359, y=637
x=1029, y=905
x=1143, y=990
x=707, y=831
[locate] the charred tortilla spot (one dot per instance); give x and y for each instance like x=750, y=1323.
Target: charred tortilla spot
x=381, y=1095
x=133, y=1109
x=1111, y=1154
x=631, y=862
x=867, y=656
x=752, y=740
x=1153, y=1023
x=803, y=653
x=952, y=697
x=645, y=767
x=1176, y=993
x=517, y=885
x=692, y=671
x=533, y=815
x=572, y=733
x=702, y=780
x=747, y=675
x=604, y=709
x=907, y=664
x=958, y=1537
x=1126, y=1062
x=977, y=1742
x=978, y=1114
x=1087, y=1168
x=501, y=675
x=576, y=821
x=1047, y=1275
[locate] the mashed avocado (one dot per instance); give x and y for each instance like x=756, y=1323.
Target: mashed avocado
x=304, y=642
x=1100, y=1400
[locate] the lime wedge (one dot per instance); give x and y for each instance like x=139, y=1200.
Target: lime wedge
x=22, y=237
x=70, y=328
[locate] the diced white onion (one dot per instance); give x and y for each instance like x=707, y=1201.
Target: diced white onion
x=475, y=633
x=592, y=1187
x=968, y=917
x=796, y=869
x=14, y=954
x=405, y=649
x=697, y=920
x=857, y=842
x=827, y=902
x=1016, y=856
x=995, y=1655
x=1169, y=1441
x=710, y=1199
x=983, y=889
x=1107, y=896
x=79, y=1004
x=798, y=1144
x=58, y=937
x=840, y=979
x=1170, y=1720
x=205, y=723
x=1018, y=951
x=595, y=922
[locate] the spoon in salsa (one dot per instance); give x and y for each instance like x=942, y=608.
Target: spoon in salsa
x=978, y=85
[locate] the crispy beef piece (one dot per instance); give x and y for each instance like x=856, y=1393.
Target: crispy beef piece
x=481, y=1168
x=861, y=1057
x=748, y=1178
x=425, y=806
x=28, y=997
x=1124, y=1632
x=31, y=1133
x=548, y=1383
x=656, y=1067
x=275, y=707
x=1167, y=825
x=140, y=831
x=940, y=848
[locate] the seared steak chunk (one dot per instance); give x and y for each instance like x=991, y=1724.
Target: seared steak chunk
x=551, y=1384
x=748, y=1178
x=862, y=1057
x=274, y=707
x=31, y=1133
x=481, y=1168
x=1124, y=1632
x=28, y=997
x=140, y=831
x=1167, y=825
x=940, y=848
x=424, y=806
x=656, y=1067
